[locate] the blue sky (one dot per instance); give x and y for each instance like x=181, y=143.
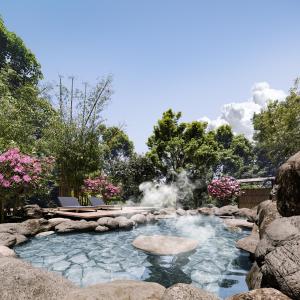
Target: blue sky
x=192, y=56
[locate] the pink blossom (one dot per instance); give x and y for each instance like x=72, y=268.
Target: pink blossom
x=5, y=183
x=16, y=178
x=26, y=178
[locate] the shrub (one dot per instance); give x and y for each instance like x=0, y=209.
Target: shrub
x=224, y=189
x=101, y=186
x=21, y=176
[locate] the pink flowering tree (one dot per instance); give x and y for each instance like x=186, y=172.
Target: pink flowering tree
x=101, y=186
x=224, y=189
x=21, y=176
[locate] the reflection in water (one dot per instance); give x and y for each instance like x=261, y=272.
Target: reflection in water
x=167, y=269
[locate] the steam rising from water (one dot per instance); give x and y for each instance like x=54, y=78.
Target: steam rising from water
x=167, y=195
x=189, y=226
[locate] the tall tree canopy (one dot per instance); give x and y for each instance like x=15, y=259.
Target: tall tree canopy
x=277, y=128
x=17, y=61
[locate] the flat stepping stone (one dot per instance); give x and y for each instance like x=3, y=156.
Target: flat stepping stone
x=164, y=244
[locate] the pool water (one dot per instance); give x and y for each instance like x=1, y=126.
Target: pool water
x=89, y=258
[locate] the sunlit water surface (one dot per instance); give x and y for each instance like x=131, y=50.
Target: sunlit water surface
x=89, y=258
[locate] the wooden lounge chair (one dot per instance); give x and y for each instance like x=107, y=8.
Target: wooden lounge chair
x=100, y=204
x=72, y=204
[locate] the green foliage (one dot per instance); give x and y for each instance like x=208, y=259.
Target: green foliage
x=174, y=146
x=17, y=61
x=131, y=173
x=115, y=145
x=277, y=129
x=74, y=137
x=24, y=116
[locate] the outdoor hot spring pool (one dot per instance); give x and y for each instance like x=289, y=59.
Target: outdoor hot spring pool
x=89, y=258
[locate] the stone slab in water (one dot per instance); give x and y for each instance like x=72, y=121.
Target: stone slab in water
x=164, y=245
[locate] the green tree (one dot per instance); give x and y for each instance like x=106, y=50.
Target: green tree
x=277, y=128
x=24, y=115
x=75, y=135
x=17, y=61
x=174, y=146
x=115, y=142
x=131, y=173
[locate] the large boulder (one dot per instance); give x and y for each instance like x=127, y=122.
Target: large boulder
x=260, y=294
x=5, y=251
x=70, y=226
x=100, y=228
x=181, y=212
x=124, y=223
x=254, y=277
x=242, y=223
x=247, y=213
x=266, y=213
x=20, y=281
x=7, y=239
x=207, y=211
x=55, y=221
x=164, y=245
x=249, y=242
x=109, y=222
x=288, y=187
x=182, y=291
x=33, y=226
x=33, y=211
x=228, y=210
x=119, y=290
x=27, y=228
x=278, y=255
x=139, y=219
x=20, y=239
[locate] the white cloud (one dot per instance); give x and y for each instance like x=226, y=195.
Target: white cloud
x=239, y=114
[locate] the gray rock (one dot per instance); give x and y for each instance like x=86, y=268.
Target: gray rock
x=150, y=218
x=181, y=212
x=267, y=212
x=167, y=211
x=249, y=243
x=70, y=226
x=249, y=214
x=207, y=210
x=45, y=233
x=5, y=251
x=254, y=277
x=111, y=223
x=228, y=210
x=260, y=294
x=33, y=211
x=139, y=219
x=27, y=228
x=100, y=228
x=288, y=187
x=7, y=239
x=278, y=255
x=20, y=239
x=124, y=223
x=119, y=290
x=55, y=221
x=242, y=223
x=33, y=226
x=181, y=291
x=21, y=281
x=192, y=212
x=164, y=244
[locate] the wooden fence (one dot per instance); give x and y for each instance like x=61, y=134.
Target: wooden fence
x=252, y=197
